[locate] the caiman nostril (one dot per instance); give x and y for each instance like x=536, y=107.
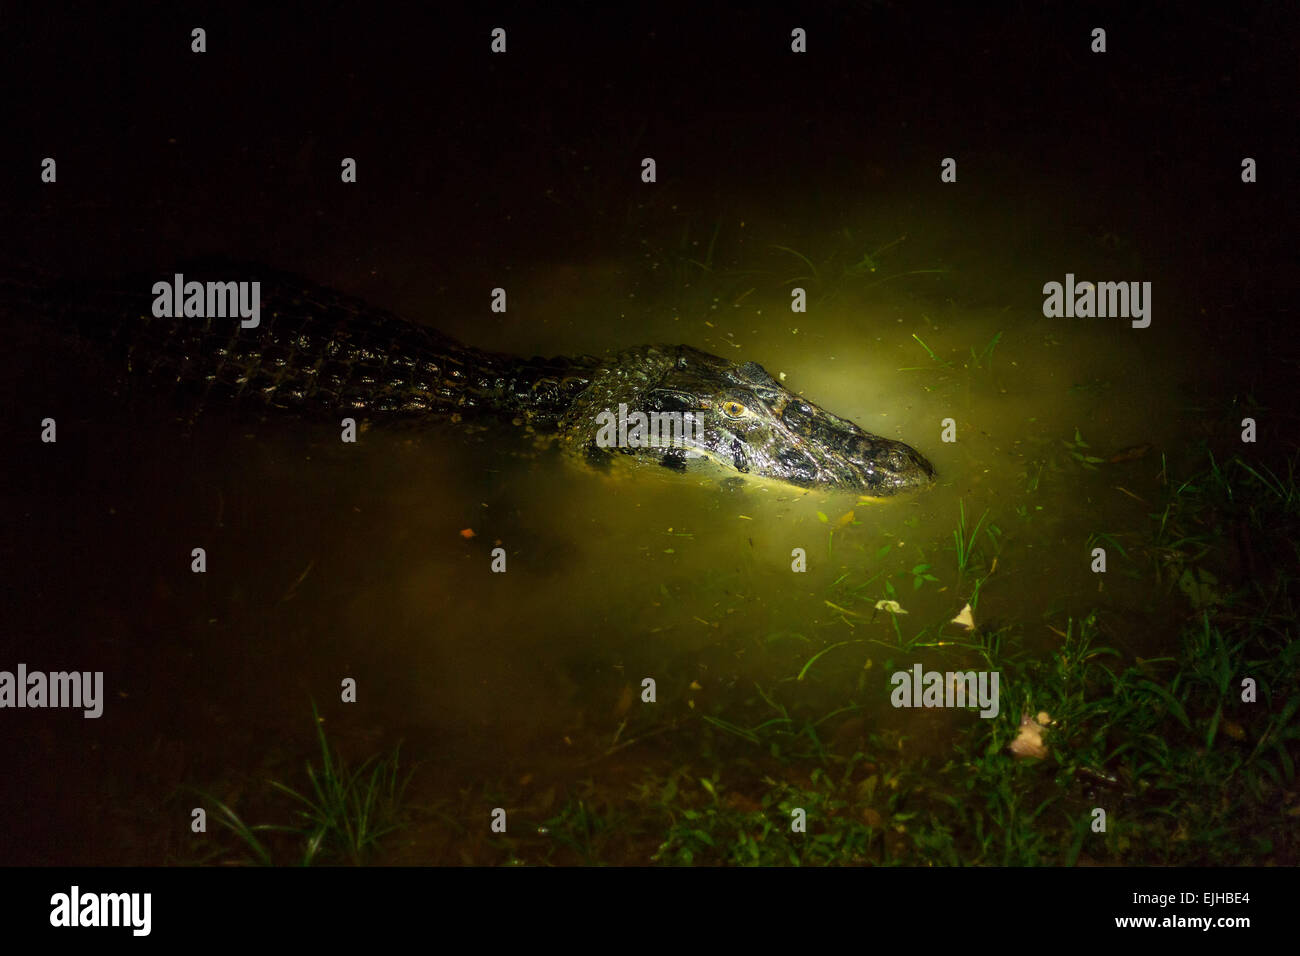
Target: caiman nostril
x=738, y=459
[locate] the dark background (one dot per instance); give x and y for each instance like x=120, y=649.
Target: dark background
x=164, y=153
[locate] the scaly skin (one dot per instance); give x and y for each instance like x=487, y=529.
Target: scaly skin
x=318, y=352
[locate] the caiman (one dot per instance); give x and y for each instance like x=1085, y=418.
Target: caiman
x=316, y=351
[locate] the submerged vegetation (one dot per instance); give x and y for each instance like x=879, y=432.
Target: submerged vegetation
x=1164, y=736
x=340, y=818
x=1191, y=756
x=696, y=269
x=1184, y=758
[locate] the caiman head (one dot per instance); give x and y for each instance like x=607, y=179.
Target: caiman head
x=695, y=405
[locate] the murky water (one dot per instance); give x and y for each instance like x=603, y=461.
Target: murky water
x=374, y=561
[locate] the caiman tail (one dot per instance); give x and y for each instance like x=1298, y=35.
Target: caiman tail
x=313, y=351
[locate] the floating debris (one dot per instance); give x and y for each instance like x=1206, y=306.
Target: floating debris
x=964, y=618
x=1029, y=742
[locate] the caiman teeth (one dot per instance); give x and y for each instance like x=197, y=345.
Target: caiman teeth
x=738, y=459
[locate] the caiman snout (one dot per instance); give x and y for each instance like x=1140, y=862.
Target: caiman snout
x=885, y=466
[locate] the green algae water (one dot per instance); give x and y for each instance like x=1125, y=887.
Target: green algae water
x=374, y=562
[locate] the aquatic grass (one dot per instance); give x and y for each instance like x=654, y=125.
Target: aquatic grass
x=1234, y=499
x=578, y=828
x=843, y=270
x=728, y=727
x=248, y=835
x=987, y=643
x=811, y=276
x=1189, y=774
x=344, y=814
x=781, y=736
x=974, y=600
x=1114, y=741
x=928, y=351
x=870, y=261
x=350, y=810
x=964, y=540
x=1032, y=480
x=681, y=268
x=707, y=264
x=982, y=359
x=803, y=671
x=1104, y=537
x=1055, y=457
x=1284, y=490
x=677, y=267
x=985, y=355
x=229, y=819
x=909, y=272
x=748, y=823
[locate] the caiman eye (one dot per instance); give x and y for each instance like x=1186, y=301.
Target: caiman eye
x=733, y=409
